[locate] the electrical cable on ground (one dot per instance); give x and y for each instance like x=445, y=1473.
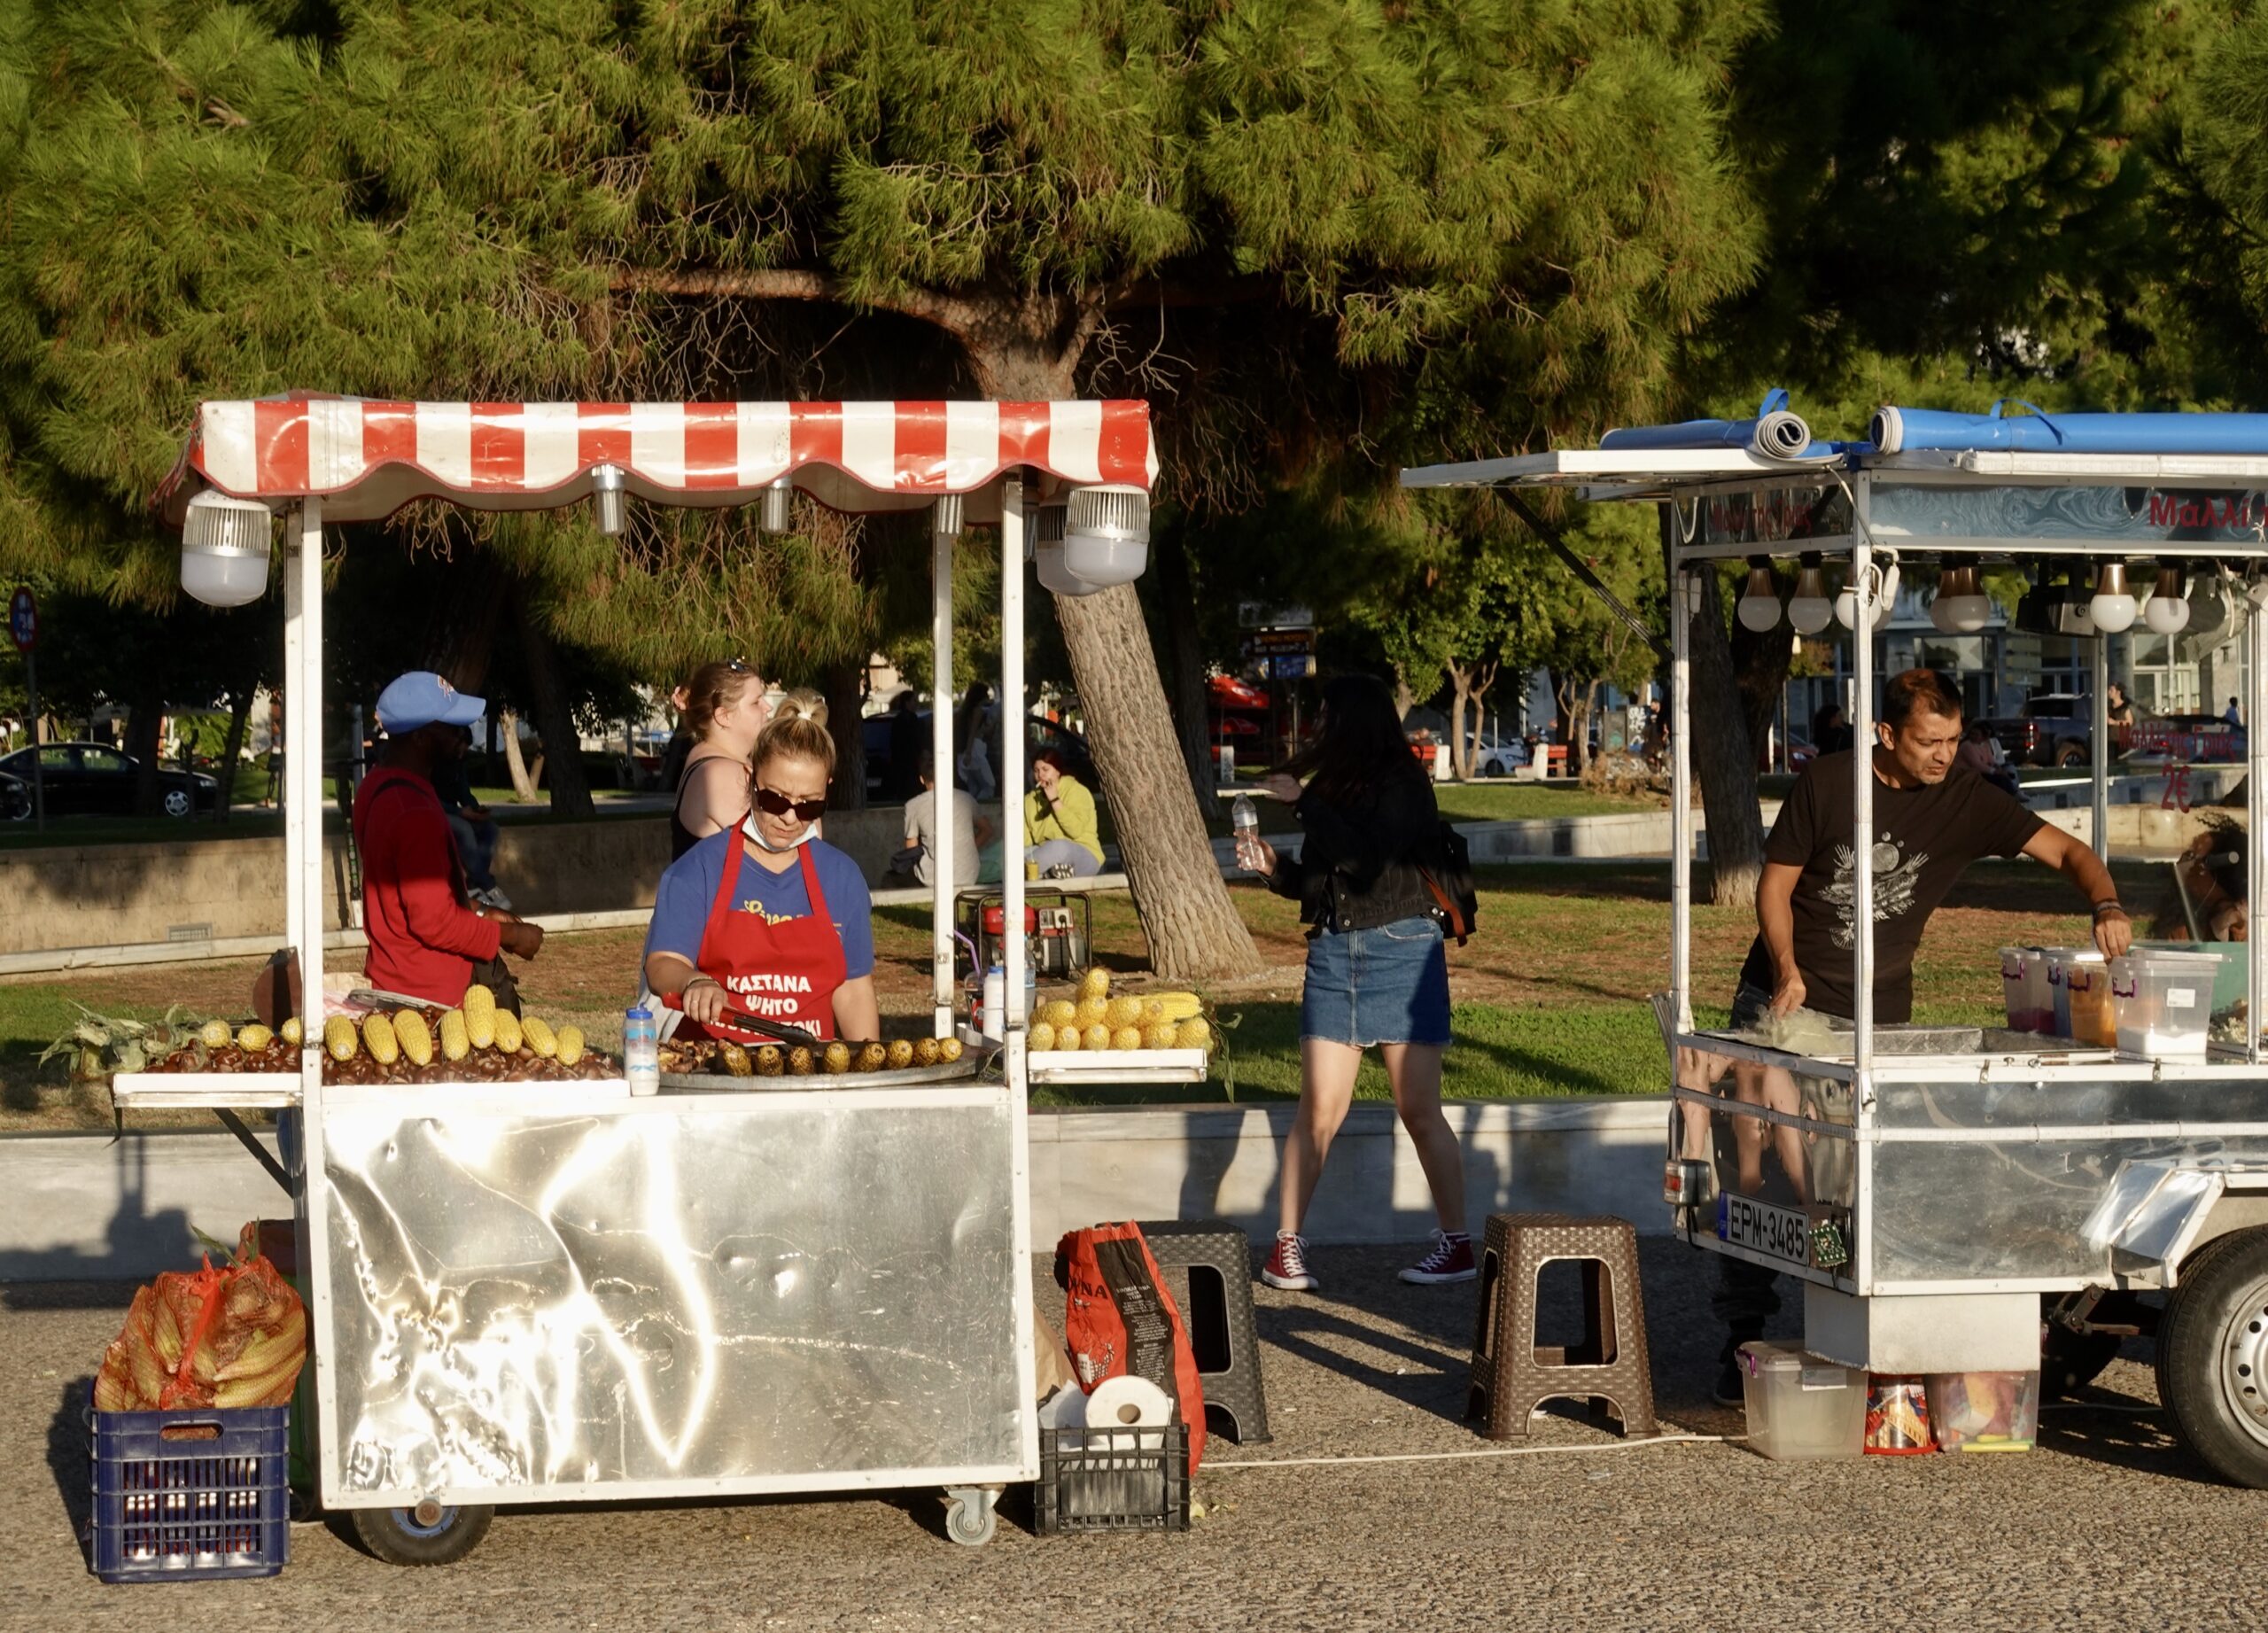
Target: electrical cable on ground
x=1485, y=1451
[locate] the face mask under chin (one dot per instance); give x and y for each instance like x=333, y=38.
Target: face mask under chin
x=748, y=827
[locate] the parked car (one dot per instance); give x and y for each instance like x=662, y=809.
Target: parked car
x=1498, y=756
x=2055, y=728
x=93, y=778
x=1039, y=735
x=15, y=799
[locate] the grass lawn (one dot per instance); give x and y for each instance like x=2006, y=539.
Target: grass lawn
x=1549, y=996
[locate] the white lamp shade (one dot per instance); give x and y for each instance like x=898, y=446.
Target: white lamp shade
x=1966, y=614
x=1106, y=533
x=1807, y=615
x=2112, y=614
x=1055, y=575
x=2165, y=615
x=1759, y=613
x=224, y=549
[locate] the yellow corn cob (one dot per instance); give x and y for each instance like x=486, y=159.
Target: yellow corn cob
x=454, y=1044
x=1126, y=1037
x=1159, y=1035
x=267, y=1352
x=339, y=1038
x=415, y=1038
x=379, y=1038
x=1180, y=1005
x=508, y=1037
x=1041, y=1038
x=254, y=1037
x=571, y=1044
x=1193, y=1034
x=736, y=1061
x=216, y=1035
x=291, y=1031
x=538, y=1032
x=480, y=1015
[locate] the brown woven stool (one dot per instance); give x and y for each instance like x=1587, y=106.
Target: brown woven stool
x=1511, y=1374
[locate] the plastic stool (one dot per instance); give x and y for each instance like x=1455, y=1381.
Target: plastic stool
x=1511, y=1374
x=1215, y=1259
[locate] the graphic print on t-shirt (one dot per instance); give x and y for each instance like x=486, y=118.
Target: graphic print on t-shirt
x=1896, y=883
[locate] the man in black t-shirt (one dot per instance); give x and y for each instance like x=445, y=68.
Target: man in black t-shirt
x=1931, y=821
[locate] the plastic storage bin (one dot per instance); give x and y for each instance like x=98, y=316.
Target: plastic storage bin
x=1984, y=1412
x=2023, y=987
x=2163, y=1001
x=190, y=1496
x=1799, y=1408
x=2063, y=963
x=1112, y=1479
x=2086, y=990
x=2235, y=968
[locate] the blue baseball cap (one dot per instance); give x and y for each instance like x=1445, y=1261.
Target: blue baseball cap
x=421, y=698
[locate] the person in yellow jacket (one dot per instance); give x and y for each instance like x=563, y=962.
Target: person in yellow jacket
x=1064, y=841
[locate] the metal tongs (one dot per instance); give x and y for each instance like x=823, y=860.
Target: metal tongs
x=794, y=1036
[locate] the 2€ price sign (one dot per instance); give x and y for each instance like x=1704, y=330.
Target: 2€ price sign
x=23, y=620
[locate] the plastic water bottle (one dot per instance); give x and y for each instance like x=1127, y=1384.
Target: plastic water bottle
x=641, y=1051
x=1244, y=821
x=993, y=1023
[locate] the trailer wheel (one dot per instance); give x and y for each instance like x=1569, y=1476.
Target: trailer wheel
x=2213, y=1356
x=430, y=1533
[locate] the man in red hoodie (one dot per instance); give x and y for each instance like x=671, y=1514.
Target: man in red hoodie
x=425, y=934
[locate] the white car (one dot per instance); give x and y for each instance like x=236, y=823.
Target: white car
x=1498, y=756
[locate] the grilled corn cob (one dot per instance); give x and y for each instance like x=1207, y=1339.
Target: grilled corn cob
x=571, y=1044
x=379, y=1037
x=480, y=1015
x=455, y=1045
x=510, y=1034
x=338, y=1037
x=539, y=1035
x=415, y=1038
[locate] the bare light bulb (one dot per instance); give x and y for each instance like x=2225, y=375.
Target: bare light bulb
x=2112, y=606
x=2167, y=610
x=1809, y=609
x=1961, y=597
x=1759, y=601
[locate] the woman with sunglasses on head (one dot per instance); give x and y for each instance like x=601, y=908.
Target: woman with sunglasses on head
x=723, y=710
x=765, y=918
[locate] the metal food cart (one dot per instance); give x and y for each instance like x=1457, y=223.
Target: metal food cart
x=541, y=1292
x=1948, y=1188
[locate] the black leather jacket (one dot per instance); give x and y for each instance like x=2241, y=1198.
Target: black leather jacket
x=1357, y=867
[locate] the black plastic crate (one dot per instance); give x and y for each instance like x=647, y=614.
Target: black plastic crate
x=190, y=1496
x=1113, y=1480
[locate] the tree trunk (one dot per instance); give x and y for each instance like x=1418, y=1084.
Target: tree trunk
x=1761, y=669
x=1484, y=681
x=523, y=782
x=1460, y=745
x=845, y=684
x=239, y=717
x=145, y=723
x=1404, y=699
x=1177, y=617
x=461, y=641
x=554, y=718
x=1724, y=756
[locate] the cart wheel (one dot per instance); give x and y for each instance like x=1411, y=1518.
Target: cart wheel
x=2213, y=1356
x=969, y=1517
x=430, y=1533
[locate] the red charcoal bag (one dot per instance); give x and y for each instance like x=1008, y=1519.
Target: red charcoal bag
x=1118, y=1318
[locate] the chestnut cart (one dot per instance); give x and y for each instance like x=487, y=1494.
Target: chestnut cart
x=559, y=1292
x=1945, y=1187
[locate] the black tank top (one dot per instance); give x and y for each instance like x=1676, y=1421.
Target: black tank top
x=681, y=837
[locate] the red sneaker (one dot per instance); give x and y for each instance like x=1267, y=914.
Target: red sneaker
x=1451, y=1260
x=1287, y=1265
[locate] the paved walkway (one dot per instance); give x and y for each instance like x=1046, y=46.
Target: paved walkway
x=2107, y=1525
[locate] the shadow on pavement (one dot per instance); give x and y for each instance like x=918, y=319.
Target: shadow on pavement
x=69, y=1454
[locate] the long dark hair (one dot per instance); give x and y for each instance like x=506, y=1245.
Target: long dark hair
x=1359, y=748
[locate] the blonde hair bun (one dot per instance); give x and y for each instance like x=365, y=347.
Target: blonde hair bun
x=801, y=703
x=797, y=731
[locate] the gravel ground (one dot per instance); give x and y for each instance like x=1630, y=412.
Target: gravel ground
x=2110, y=1523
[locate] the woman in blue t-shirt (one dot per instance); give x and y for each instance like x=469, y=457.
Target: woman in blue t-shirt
x=767, y=919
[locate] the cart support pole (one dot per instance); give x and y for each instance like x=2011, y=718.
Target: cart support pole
x=2098, y=748
x=1862, y=798
x=303, y=768
x=1680, y=775
x=1012, y=727
x=2255, y=787
x=942, y=863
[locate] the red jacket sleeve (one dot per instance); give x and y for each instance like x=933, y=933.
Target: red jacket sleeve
x=424, y=855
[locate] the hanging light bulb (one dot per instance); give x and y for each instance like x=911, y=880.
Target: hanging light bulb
x=1759, y=601
x=1962, y=599
x=1940, y=603
x=1808, y=608
x=2112, y=605
x=2167, y=610
x=1847, y=600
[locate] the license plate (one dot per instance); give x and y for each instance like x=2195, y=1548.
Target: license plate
x=1765, y=1227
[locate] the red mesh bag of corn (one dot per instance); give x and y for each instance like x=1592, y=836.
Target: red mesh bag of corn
x=234, y=1334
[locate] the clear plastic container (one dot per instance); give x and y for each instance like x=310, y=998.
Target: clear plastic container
x=641, y=1060
x=1984, y=1412
x=2063, y=964
x=1798, y=1407
x=2163, y=1001
x=2087, y=991
x=2023, y=985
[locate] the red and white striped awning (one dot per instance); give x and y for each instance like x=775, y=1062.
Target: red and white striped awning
x=366, y=459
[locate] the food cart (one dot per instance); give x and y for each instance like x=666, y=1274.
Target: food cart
x=1949, y=1186
x=561, y=1293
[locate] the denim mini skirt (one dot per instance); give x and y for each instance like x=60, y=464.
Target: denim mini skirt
x=1390, y=984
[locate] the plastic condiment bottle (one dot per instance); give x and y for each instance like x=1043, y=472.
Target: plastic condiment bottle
x=641, y=1051
x=1244, y=821
x=993, y=1021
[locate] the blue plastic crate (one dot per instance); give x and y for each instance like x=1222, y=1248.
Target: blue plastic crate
x=190, y=1496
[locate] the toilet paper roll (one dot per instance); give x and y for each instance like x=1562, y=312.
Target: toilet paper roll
x=1129, y=1403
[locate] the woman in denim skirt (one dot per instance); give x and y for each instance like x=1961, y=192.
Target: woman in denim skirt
x=1376, y=970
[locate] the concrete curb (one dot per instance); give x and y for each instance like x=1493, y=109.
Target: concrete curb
x=94, y=1207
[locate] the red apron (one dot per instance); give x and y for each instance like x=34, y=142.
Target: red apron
x=785, y=972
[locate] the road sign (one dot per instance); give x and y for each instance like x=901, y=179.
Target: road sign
x=23, y=620
x=1279, y=644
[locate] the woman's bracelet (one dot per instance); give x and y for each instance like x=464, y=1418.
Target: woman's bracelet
x=2112, y=906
